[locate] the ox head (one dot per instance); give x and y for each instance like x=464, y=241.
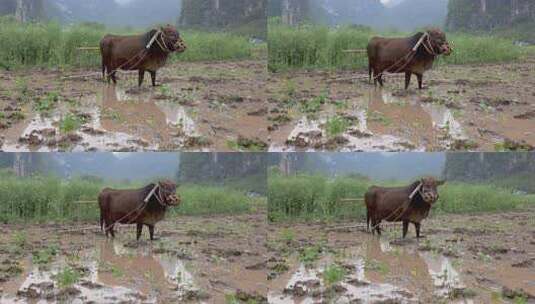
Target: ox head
x=167, y=193
x=428, y=189
x=172, y=39
x=438, y=42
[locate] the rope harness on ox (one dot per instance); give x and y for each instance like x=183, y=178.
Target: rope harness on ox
x=152, y=193
x=425, y=40
x=404, y=206
x=144, y=52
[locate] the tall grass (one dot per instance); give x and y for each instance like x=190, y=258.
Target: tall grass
x=315, y=197
x=48, y=198
x=50, y=45
x=197, y=200
x=318, y=46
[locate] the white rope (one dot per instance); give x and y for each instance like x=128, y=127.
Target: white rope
x=416, y=190
x=151, y=193
x=151, y=41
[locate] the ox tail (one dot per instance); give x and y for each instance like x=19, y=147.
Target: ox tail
x=101, y=221
x=370, y=73
x=103, y=70
x=369, y=200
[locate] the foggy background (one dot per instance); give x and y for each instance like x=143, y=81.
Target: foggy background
x=247, y=17
x=516, y=170
x=469, y=15
x=247, y=170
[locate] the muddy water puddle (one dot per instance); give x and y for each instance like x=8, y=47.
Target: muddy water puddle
x=377, y=121
x=111, y=120
x=374, y=272
x=108, y=273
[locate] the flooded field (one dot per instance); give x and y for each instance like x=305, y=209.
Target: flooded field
x=196, y=260
x=199, y=107
x=463, y=259
x=468, y=107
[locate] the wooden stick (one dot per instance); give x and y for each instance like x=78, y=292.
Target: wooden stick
x=357, y=226
x=88, y=48
x=85, y=202
x=355, y=51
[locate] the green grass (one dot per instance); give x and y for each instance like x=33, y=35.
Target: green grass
x=333, y=274
x=51, y=45
x=315, y=197
x=316, y=46
x=309, y=255
x=198, y=200
x=336, y=126
x=67, y=277
x=47, y=198
x=70, y=123
x=470, y=198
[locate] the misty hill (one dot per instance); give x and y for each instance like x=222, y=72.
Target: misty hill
x=136, y=13
x=335, y=12
x=487, y=15
x=399, y=14
x=245, y=16
x=128, y=166
x=131, y=166
x=377, y=166
x=413, y=14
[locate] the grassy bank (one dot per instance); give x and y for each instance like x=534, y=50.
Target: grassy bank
x=50, y=45
x=41, y=199
x=316, y=46
x=315, y=197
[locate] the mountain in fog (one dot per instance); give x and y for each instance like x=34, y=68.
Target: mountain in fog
x=135, y=13
x=490, y=14
x=348, y=11
x=413, y=14
x=376, y=166
x=130, y=166
x=398, y=14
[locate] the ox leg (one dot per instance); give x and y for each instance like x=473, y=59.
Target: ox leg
x=151, y=232
x=380, y=79
x=141, y=77
x=377, y=228
x=139, y=230
x=114, y=77
x=153, y=77
x=417, y=226
x=407, y=79
x=112, y=231
x=420, y=80
x=405, y=228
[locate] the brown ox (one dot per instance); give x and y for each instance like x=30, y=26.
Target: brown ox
x=146, y=52
x=145, y=206
x=410, y=204
x=397, y=55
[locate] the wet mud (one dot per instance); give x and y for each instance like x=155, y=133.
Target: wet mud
x=197, y=107
x=470, y=107
x=463, y=259
x=196, y=260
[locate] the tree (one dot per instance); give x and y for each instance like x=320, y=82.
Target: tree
x=29, y=10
